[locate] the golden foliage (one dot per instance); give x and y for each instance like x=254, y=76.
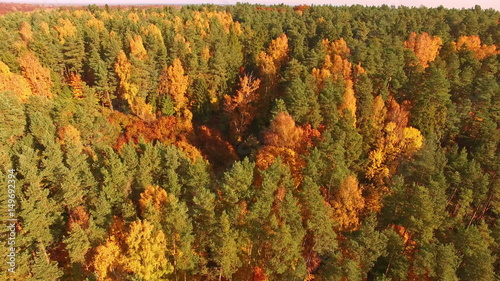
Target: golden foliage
x=128, y=91
x=153, y=31
x=338, y=47
x=270, y=62
x=153, y=196
x=336, y=62
x=337, y=66
x=107, y=259
x=178, y=25
x=395, y=142
x=133, y=17
x=378, y=113
x=65, y=29
x=95, y=24
x=145, y=253
x=347, y=204
x=474, y=43
x=287, y=141
x=349, y=101
x=189, y=150
x=241, y=108
x=205, y=53
x=426, y=48
x=182, y=41
x=123, y=69
x=175, y=83
x=137, y=48
x=143, y=110
x=283, y=132
x=38, y=77
x=26, y=32
x=69, y=135
x=76, y=84
x=45, y=27
x=412, y=140
x=14, y=82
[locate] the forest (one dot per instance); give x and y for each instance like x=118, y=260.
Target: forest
x=250, y=143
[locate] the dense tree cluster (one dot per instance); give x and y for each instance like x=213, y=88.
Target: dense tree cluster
x=253, y=143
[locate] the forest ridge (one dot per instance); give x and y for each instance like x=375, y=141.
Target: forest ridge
x=251, y=142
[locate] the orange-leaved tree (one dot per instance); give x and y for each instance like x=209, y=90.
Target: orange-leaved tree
x=337, y=67
x=473, y=43
x=425, y=47
x=241, y=108
x=286, y=140
x=270, y=62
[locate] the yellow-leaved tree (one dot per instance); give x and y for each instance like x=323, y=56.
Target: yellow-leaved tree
x=174, y=82
x=14, y=83
x=270, y=62
x=107, y=259
x=397, y=141
x=347, y=204
x=137, y=47
x=38, y=77
x=128, y=90
x=145, y=252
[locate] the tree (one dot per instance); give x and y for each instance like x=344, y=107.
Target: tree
x=43, y=268
x=241, y=109
x=336, y=67
x=237, y=182
x=286, y=140
x=447, y=262
x=107, y=259
x=178, y=229
x=283, y=132
x=426, y=48
x=14, y=83
x=77, y=244
x=174, y=82
x=145, y=254
x=474, y=246
x=347, y=204
x=78, y=179
x=270, y=62
x=474, y=43
x=368, y=244
x=226, y=248
x=37, y=76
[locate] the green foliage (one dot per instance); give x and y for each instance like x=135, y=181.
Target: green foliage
x=164, y=193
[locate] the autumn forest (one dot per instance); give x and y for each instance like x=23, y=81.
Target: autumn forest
x=251, y=143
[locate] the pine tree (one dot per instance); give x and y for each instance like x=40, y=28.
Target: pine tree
x=43, y=268
x=474, y=244
x=226, y=248
x=78, y=244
